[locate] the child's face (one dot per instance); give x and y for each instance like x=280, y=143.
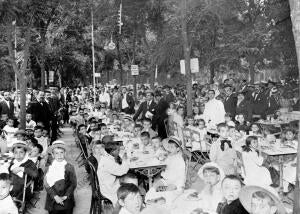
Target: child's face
x=28, y=117
x=146, y=125
x=211, y=178
x=190, y=122
x=104, y=130
x=59, y=154
x=223, y=132
x=231, y=189
x=145, y=140
x=240, y=118
x=173, y=148
x=35, y=152
x=227, y=118
x=289, y=135
x=4, y=117
x=10, y=123
x=19, y=154
x=137, y=131
x=262, y=206
x=45, y=133
x=132, y=203
x=254, y=143
x=254, y=128
x=201, y=124
x=156, y=142
x=5, y=188
x=82, y=130
x=38, y=133
x=232, y=131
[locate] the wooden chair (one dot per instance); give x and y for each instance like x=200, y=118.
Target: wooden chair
x=187, y=156
x=240, y=164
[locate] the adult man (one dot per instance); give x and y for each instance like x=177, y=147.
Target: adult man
x=169, y=96
x=259, y=101
x=147, y=108
x=53, y=104
x=40, y=110
x=230, y=101
x=104, y=97
x=7, y=106
x=127, y=102
x=214, y=112
x=158, y=121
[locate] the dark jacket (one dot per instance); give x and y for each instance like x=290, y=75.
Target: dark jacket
x=65, y=187
x=18, y=183
x=40, y=112
x=234, y=207
x=144, y=108
x=273, y=104
x=4, y=109
x=130, y=102
x=244, y=107
x=230, y=104
x=159, y=118
x=259, y=104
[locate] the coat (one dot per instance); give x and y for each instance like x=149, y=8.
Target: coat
x=244, y=107
x=65, y=187
x=259, y=104
x=235, y=207
x=130, y=102
x=144, y=108
x=230, y=105
x=4, y=109
x=40, y=112
x=159, y=117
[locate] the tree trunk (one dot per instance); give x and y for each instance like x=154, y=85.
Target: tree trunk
x=186, y=52
x=120, y=60
x=212, y=72
x=42, y=61
x=251, y=69
x=295, y=15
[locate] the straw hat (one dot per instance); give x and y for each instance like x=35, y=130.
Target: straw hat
x=58, y=144
x=20, y=143
x=210, y=165
x=20, y=131
x=176, y=140
x=246, y=193
x=128, y=117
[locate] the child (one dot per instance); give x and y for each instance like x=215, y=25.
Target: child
x=212, y=175
x=19, y=166
x=6, y=202
x=10, y=130
x=257, y=200
x=146, y=144
x=109, y=168
x=137, y=130
x=129, y=200
x=38, y=135
x=30, y=124
x=128, y=124
x=60, y=181
x=147, y=127
x=174, y=175
x=255, y=173
x=35, y=153
x=255, y=130
x=231, y=187
x=3, y=120
x=221, y=151
x=228, y=120
x=199, y=142
x=241, y=124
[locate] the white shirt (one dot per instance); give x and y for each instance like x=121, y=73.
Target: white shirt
x=214, y=113
x=8, y=206
x=107, y=172
x=30, y=125
x=124, y=102
x=44, y=142
x=104, y=98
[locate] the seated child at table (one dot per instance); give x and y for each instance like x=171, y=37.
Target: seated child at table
x=231, y=187
x=30, y=124
x=19, y=166
x=38, y=134
x=241, y=123
x=10, y=131
x=128, y=124
x=173, y=177
x=146, y=144
x=199, y=142
x=129, y=200
x=222, y=153
x=6, y=202
x=158, y=147
x=147, y=127
x=109, y=169
x=103, y=130
x=255, y=173
x=212, y=175
x=137, y=130
x=255, y=130
x=257, y=200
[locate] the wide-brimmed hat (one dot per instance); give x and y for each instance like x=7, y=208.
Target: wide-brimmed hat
x=247, y=192
x=128, y=117
x=58, y=144
x=210, y=165
x=20, y=131
x=20, y=143
x=175, y=140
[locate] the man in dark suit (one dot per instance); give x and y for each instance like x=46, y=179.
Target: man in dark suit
x=230, y=101
x=147, y=108
x=7, y=106
x=40, y=110
x=259, y=102
x=127, y=102
x=169, y=96
x=158, y=121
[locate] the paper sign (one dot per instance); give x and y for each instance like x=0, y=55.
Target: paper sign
x=194, y=65
x=51, y=76
x=97, y=75
x=134, y=70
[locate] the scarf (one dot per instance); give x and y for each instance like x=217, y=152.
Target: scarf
x=56, y=172
x=18, y=164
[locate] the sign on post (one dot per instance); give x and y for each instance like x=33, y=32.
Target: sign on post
x=194, y=65
x=97, y=75
x=134, y=70
x=51, y=76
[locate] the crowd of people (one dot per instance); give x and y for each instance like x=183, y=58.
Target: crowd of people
x=112, y=127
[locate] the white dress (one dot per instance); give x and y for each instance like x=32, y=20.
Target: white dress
x=256, y=174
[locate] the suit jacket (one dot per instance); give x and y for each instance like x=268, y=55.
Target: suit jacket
x=244, y=107
x=144, y=108
x=230, y=104
x=273, y=104
x=159, y=117
x=130, y=102
x=234, y=207
x=40, y=112
x=65, y=187
x=259, y=104
x=4, y=109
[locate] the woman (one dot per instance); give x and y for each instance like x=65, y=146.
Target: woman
x=19, y=166
x=243, y=106
x=60, y=182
